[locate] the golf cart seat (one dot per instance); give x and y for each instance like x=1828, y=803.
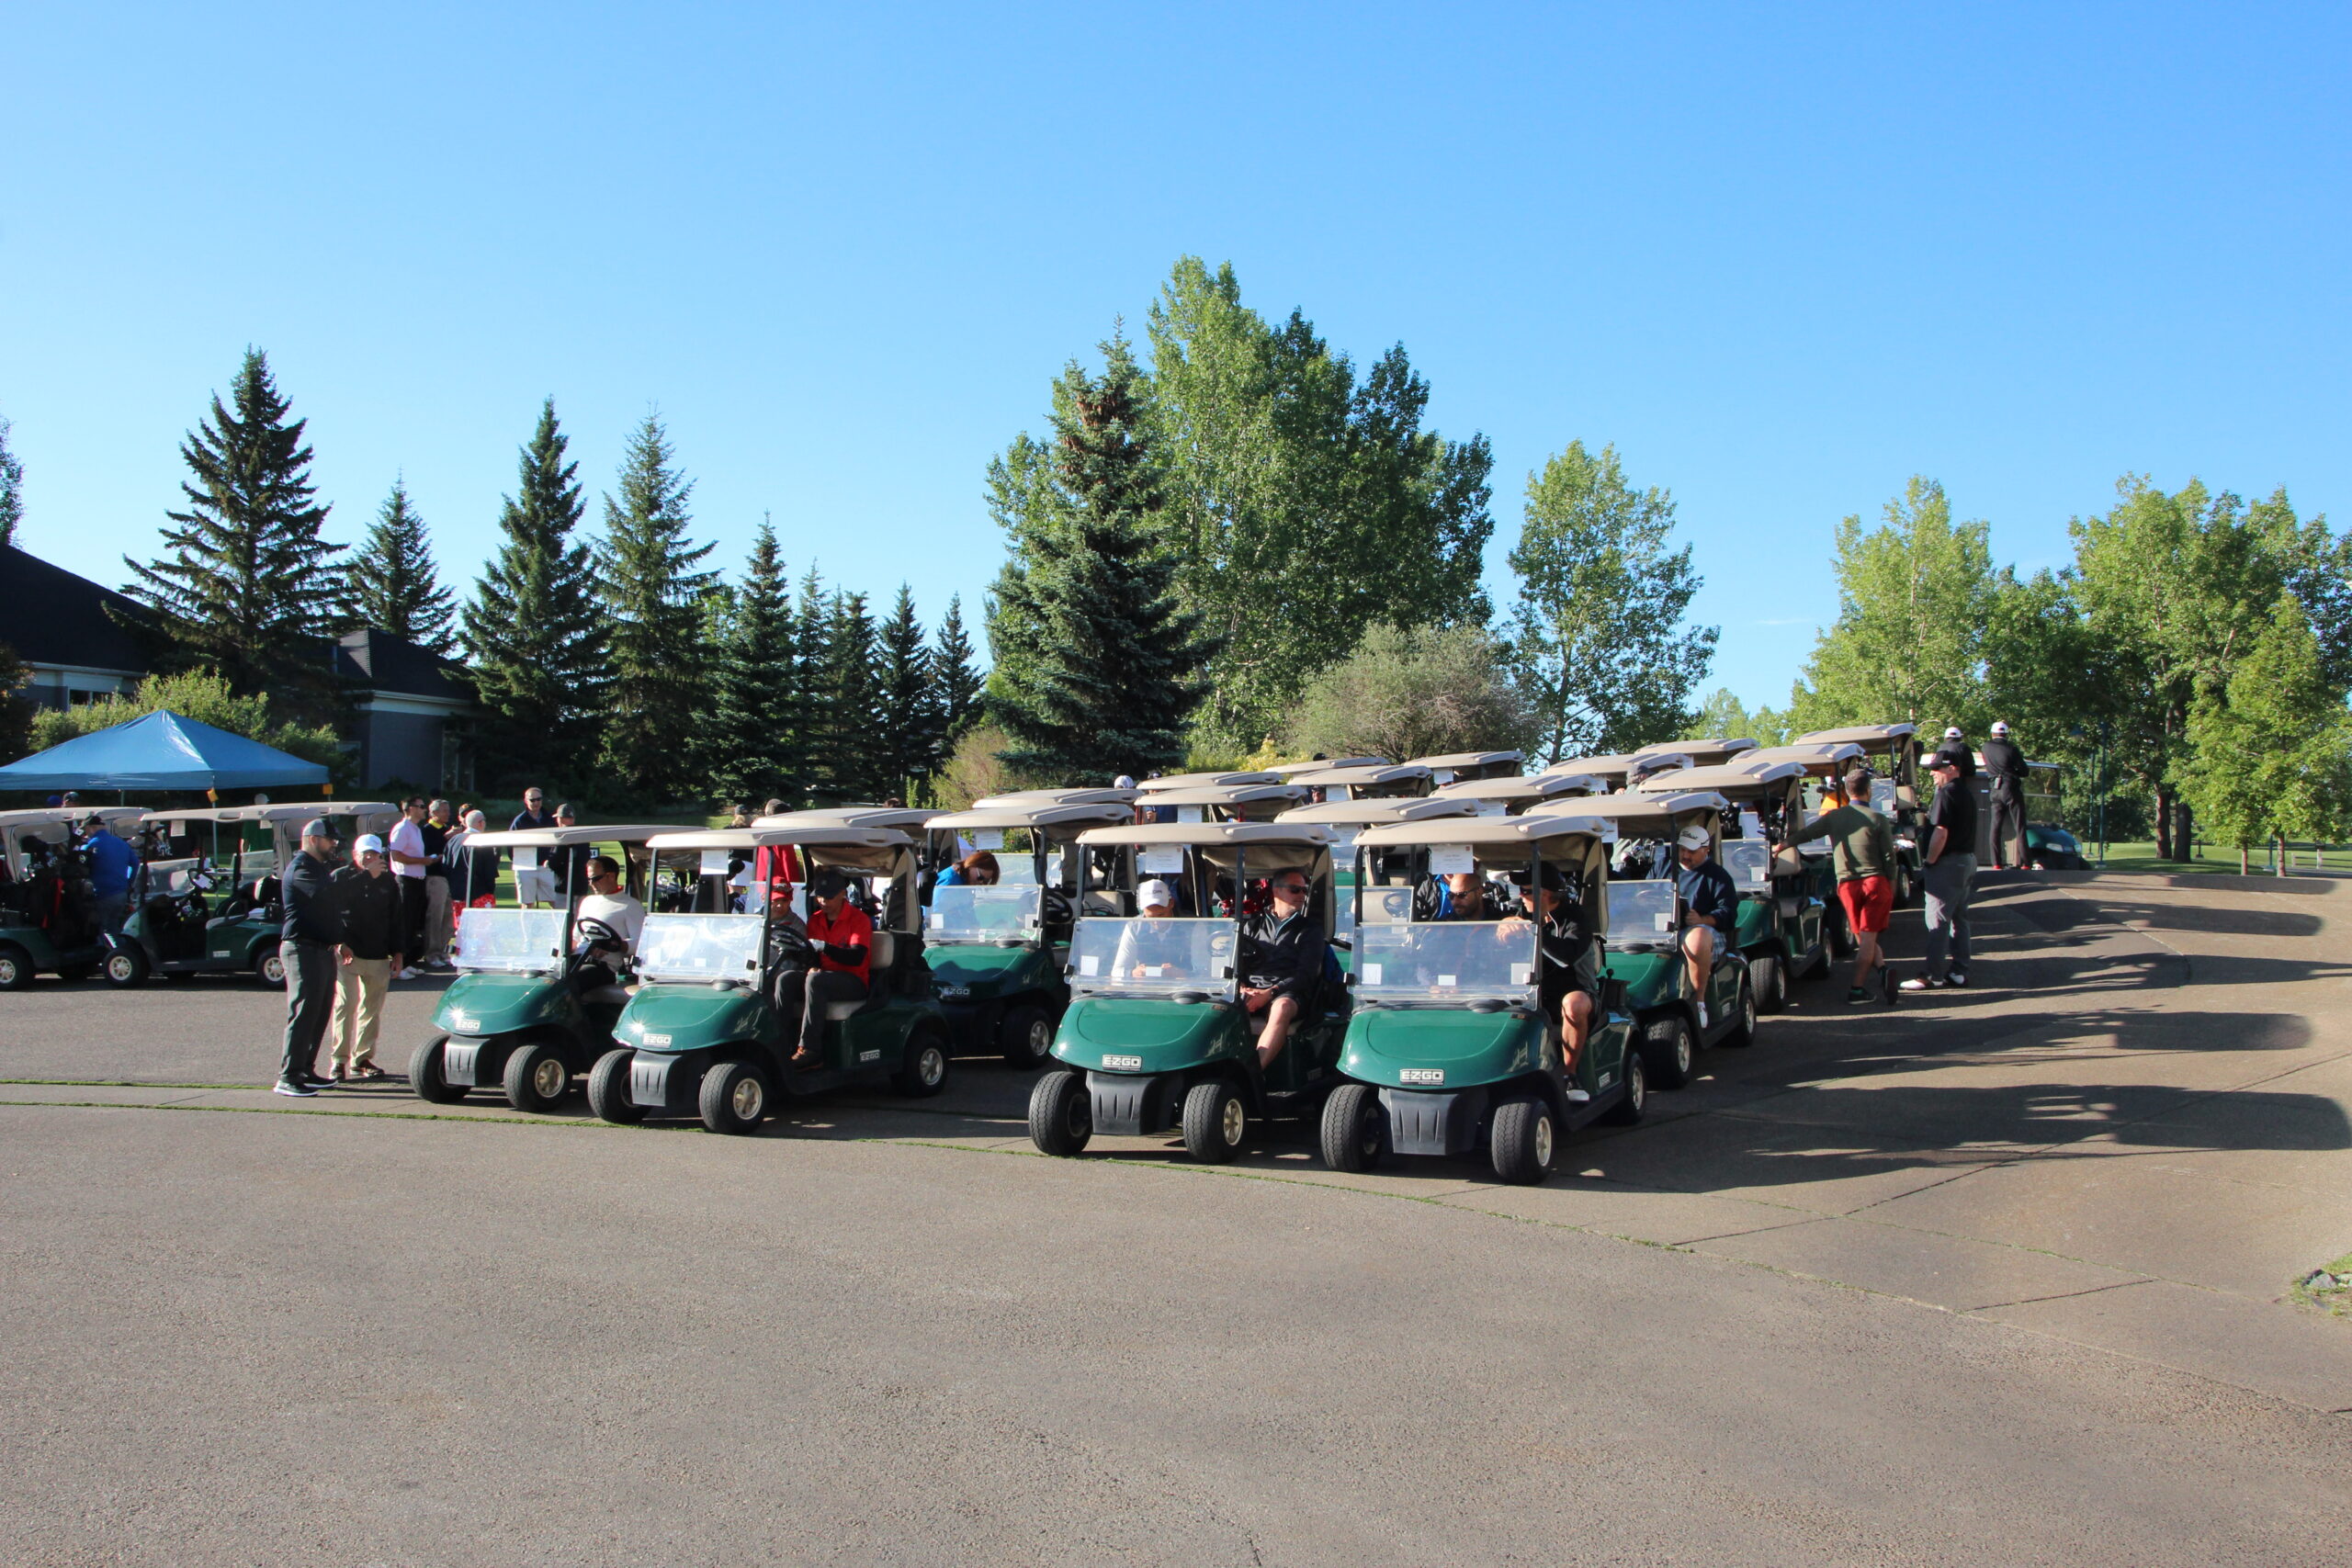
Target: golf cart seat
x=607, y=995
x=882, y=951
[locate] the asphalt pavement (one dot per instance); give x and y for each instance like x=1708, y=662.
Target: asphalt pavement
x=1998, y=1277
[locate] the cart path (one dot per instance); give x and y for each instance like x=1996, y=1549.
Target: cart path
x=2131, y=1133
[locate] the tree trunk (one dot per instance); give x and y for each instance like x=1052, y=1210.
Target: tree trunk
x=2184, y=832
x=2164, y=823
x=2242, y=871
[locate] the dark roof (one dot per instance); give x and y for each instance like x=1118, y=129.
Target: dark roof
x=51, y=616
x=379, y=661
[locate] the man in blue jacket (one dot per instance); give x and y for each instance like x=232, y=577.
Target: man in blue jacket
x=308, y=929
x=114, y=864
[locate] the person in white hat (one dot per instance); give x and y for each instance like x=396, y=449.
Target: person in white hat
x=1710, y=904
x=1152, y=948
x=372, y=918
x=2005, y=770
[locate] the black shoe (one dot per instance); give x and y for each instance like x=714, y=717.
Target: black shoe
x=315, y=1081
x=299, y=1090
x=1857, y=994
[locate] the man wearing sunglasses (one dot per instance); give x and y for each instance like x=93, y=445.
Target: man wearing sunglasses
x=1282, y=962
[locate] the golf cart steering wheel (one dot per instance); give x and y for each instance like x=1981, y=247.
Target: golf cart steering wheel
x=587, y=932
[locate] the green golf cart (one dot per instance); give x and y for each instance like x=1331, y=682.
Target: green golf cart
x=539, y=989
x=706, y=1033
x=1784, y=896
x=48, y=923
x=1453, y=1042
x=1892, y=753
x=1345, y=819
x=1644, y=923
x=996, y=953
x=1156, y=1036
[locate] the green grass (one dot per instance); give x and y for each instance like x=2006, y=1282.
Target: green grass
x=2336, y=1300
x=2208, y=858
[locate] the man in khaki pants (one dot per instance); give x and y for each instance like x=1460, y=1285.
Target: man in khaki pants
x=367, y=902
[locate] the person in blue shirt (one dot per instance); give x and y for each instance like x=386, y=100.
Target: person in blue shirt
x=113, y=866
x=1710, y=904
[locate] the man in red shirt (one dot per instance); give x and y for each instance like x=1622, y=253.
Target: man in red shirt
x=842, y=939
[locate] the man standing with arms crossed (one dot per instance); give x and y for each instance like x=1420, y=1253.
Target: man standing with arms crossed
x=409, y=859
x=2005, y=768
x=306, y=943
x=1863, y=842
x=1951, y=856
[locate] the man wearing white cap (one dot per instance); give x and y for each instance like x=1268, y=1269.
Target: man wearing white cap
x=1710, y=904
x=371, y=911
x=2005, y=767
x=1151, y=949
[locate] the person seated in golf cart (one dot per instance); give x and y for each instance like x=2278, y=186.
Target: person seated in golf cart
x=605, y=961
x=1283, y=951
x=1463, y=896
x=1710, y=904
x=1569, y=986
x=978, y=869
x=1150, y=948
x=840, y=940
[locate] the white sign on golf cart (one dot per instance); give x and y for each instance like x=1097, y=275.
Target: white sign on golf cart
x=1453, y=860
x=1163, y=860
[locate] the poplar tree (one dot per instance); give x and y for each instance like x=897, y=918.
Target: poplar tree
x=534, y=632
x=659, y=664
x=395, y=586
x=12, y=489
x=908, y=742
x=754, y=731
x=956, y=683
x=248, y=586
x=1098, y=665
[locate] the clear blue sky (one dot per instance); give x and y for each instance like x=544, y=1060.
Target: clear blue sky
x=1780, y=259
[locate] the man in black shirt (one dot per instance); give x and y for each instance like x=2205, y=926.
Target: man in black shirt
x=1956, y=745
x=534, y=815
x=310, y=927
x=1710, y=908
x=1951, y=856
x=1282, y=962
x=1568, y=978
x=2005, y=770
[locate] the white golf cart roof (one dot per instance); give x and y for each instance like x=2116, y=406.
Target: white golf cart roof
x=70, y=816
x=1063, y=797
x=193, y=814
x=1526, y=786
x=1634, y=812
x=303, y=810
x=1702, y=753
x=1460, y=759
x=1753, y=778
x=1291, y=770
x=905, y=819
x=1358, y=774
x=561, y=838
x=817, y=835
x=1228, y=795
x=1054, y=818
x=1204, y=781
x=1859, y=734
x=1365, y=813
x=1210, y=835
x=1825, y=757
x=1481, y=831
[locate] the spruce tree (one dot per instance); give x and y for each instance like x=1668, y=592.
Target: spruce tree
x=908, y=742
x=844, y=762
x=1099, y=665
x=12, y=489
x=811, y=634
x=755, y=730
x=248, y=586
x=660, y=663
x=955, y=682
x=395, y=587
x=534, y=631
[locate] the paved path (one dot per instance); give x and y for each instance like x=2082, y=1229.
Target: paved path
x=1996, y=1278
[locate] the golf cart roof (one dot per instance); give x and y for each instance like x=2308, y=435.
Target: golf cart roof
x=1826, y=754
x=1481, y=831
x=817, y=835
x=1069, y=817
x=1228, y=795
x=1754, y=778
x=1203, y=781
x=907, y=818
x=1290, y=770
x=1356, y=774
x=1526, y=786
x=1363, y=813
x=1702, y=753
x=194, y=814
x=1634, y=811
x=41, y=816
x=1859, y=734
x=302, y=810
x=1063, y=797
x=1469, y=760
x=559, y=838
x=1210, y=835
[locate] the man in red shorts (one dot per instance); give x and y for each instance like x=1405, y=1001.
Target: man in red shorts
x=1864, y=845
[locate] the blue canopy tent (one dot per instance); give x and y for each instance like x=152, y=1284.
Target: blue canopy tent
x=159, y=751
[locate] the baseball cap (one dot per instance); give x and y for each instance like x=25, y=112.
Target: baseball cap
x=1155, y=893
x=1999, y=727
x=1694, y=837
x=318, y=828
x=1951, y=732
x=1944, y=759
x=368, y=841
x=828, y=884
x=1125, y=781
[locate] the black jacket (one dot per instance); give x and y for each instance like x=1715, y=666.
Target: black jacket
x=369, y=910
x=1961, y=752
x=306, y=894
x=2004, y=765
x=1284, y=954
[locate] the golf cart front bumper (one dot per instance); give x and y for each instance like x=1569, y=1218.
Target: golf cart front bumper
x=661, y=1082
x=1135, y=1104
x=1444, y=1121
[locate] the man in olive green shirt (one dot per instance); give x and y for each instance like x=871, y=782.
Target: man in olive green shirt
x=1863, y=845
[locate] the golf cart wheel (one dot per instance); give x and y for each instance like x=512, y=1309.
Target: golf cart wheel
x=1636, y=1103
x=1061, y=1113
x=537, y=1079
x=1521, y=1140
x=269, y=968
x=424, y=1074
x=1216, y=1120
x=1743, y=1033
x=735, y=1098
x=608, y=1088
x=1667, y=1051
x=1355, y=1128
x=1771, y=980
x=1026, y=1036
x=126, y=966
x=924, y=1071
x=16, y=969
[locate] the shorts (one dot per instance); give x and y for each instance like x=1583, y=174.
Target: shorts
x=1870, y=902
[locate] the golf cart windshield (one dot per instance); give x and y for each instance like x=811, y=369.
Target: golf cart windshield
x=1152, y=957
x=1882, y=796
x=1641, y=914
x=511, y=942
x=700, y=947
x=1445, y=961
x=981, y=915
x=1749, y=861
